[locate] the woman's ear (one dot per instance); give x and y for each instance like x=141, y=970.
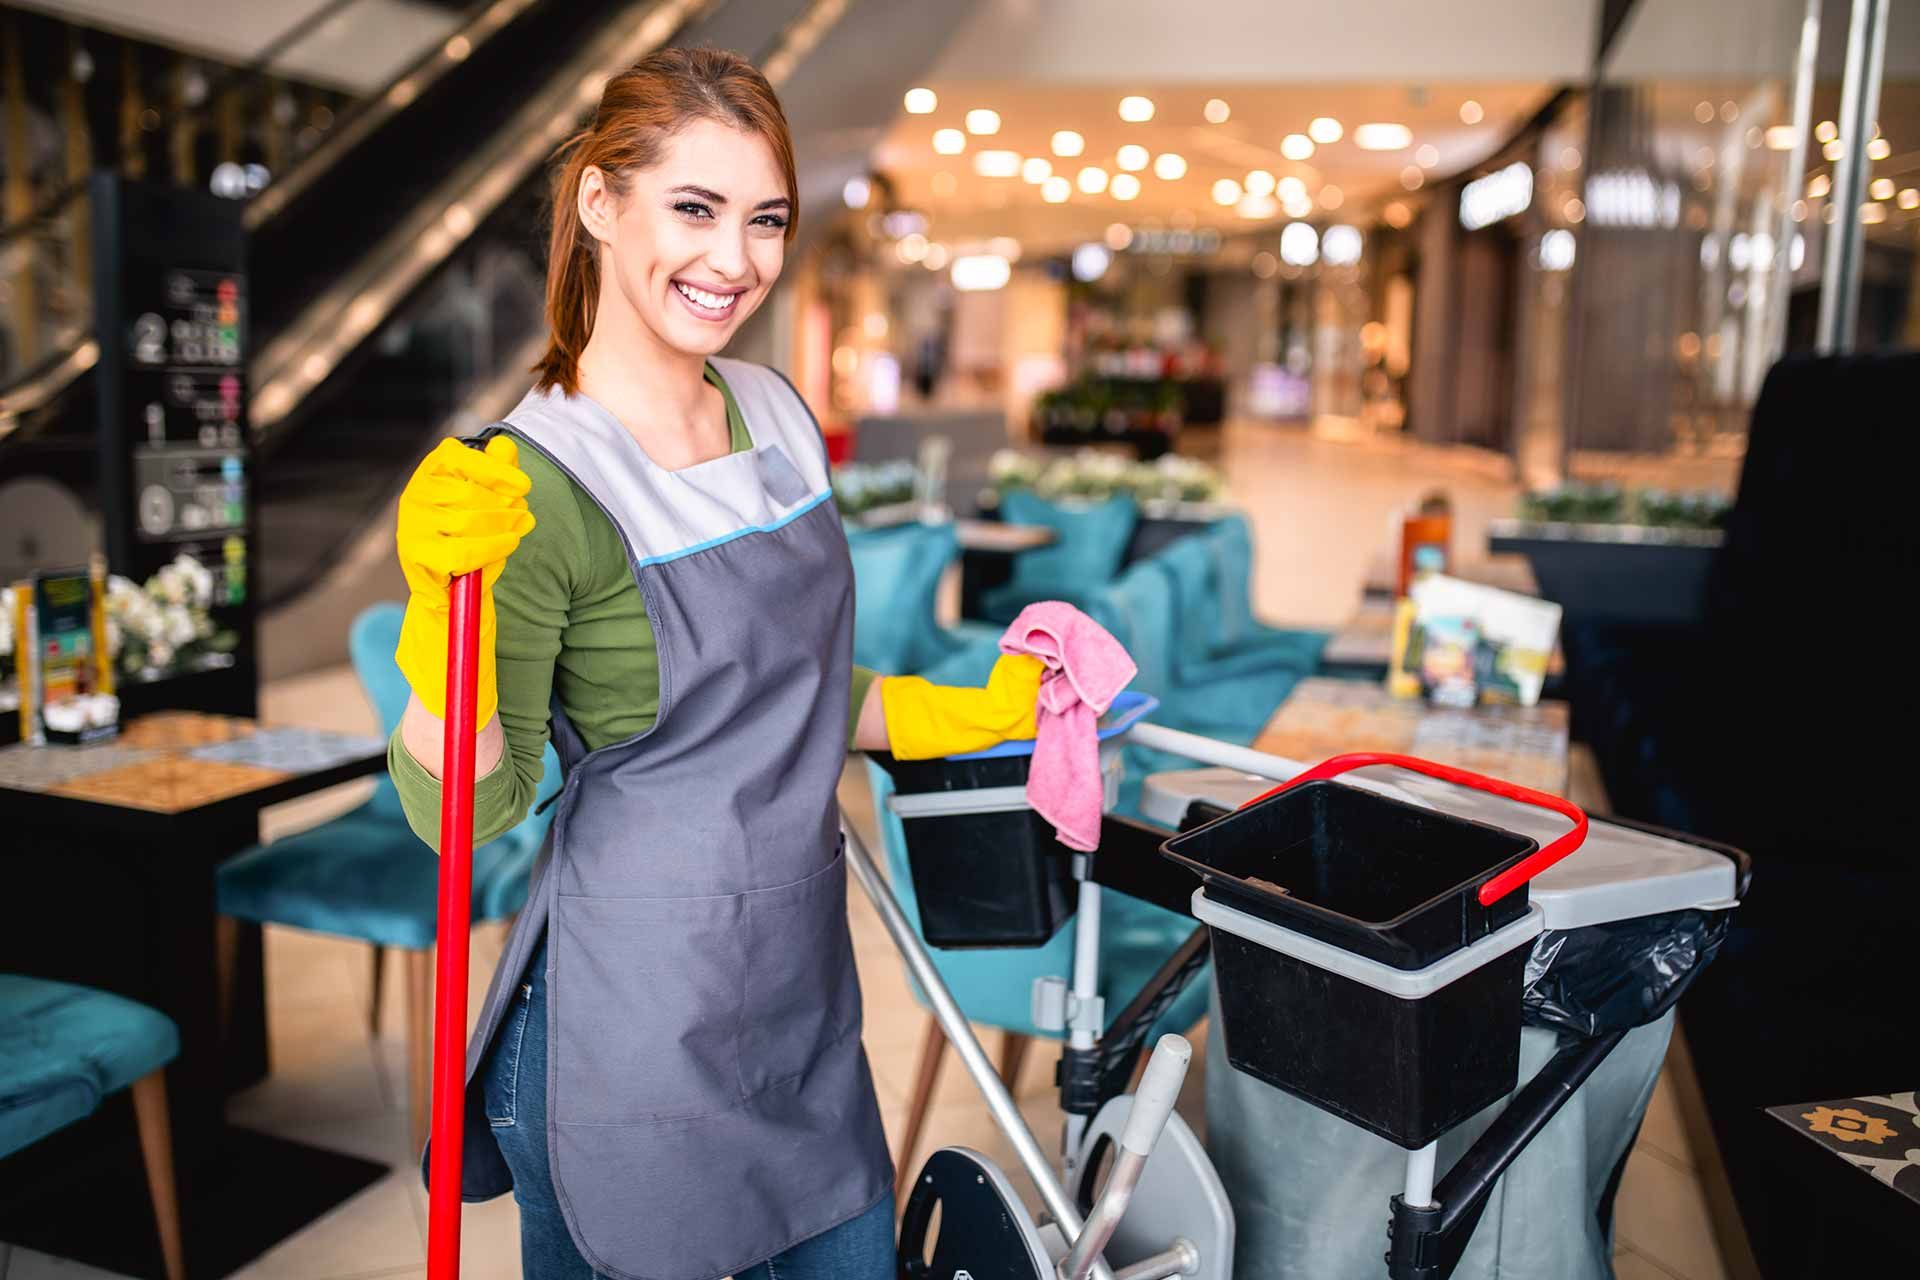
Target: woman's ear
x=598, y=206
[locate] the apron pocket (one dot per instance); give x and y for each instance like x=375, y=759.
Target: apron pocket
x=646, y=994
x=802, y=992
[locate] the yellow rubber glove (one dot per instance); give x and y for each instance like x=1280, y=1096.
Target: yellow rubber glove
x=927, y=720
x=464, y=510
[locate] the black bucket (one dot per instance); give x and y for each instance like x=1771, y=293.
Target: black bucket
x=987, y=870
x=1357, y=966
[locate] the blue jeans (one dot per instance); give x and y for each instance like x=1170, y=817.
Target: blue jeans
x=513, y=1084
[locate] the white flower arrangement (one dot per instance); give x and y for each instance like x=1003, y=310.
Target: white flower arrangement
x=165, y=621
x=1095, y=475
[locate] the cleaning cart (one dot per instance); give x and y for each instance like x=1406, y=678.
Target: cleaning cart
x=1378, y=942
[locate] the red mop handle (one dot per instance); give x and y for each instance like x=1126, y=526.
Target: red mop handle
x=1510, y=879
x=456, y=903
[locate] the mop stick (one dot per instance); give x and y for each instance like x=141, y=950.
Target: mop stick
x=456, y=901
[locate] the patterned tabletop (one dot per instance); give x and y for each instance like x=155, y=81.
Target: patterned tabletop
x=1325, y=717
x=173, y=761
x=1878, y=1134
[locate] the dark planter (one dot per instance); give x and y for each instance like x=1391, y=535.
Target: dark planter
x=1615, y=574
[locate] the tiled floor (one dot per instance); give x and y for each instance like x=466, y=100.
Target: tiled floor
x=1321, y=509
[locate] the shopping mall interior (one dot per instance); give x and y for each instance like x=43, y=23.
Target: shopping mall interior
x=1508, y=397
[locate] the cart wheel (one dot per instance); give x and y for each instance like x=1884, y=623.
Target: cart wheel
x=984, y=1230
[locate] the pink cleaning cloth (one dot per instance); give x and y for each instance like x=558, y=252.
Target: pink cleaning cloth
x=1086, y=668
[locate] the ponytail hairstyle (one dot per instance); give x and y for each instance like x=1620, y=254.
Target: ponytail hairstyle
x=640, y=110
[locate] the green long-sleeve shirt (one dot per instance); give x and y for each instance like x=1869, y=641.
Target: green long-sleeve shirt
x=572, y=625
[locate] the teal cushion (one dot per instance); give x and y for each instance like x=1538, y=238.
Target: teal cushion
x=994, y=988
x=1089, y=541
x=64, y=1048
x=368, y=877
x=896, y=575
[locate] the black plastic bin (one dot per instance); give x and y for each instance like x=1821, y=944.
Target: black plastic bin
x=987, y=870
x=1369, y=952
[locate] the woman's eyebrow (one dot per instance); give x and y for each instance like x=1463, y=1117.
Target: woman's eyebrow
x=714, y=197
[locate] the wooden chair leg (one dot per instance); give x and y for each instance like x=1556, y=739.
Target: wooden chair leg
x=156, y=1150
x=1013, y=1055
x=373, y=1002
x=933, y=1051
x=419, y=1042
x=226, y=958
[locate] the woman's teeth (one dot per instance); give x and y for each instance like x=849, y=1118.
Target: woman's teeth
x=711, y=301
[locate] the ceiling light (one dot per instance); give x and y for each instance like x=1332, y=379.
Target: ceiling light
x=1832, y=150
x=1055, y=190
x=1092, y=180
x=1879, y=149
x=1264, y=265
x=1216, y=111
x=1324, y=129
x=1068, y=143
x=1411, y=177
x=1397, y=214
x=1340, y=245
x=949, y=142
x=1557, y=248
x=979, y=272
x=1259, y=183
x=1090, y=261
x=911, y=248
x=1332, y=197
x=1119, y=236
x=1818, y=185
x=1226, y=191
x=997, y=164
x=856, y=192
x=1135, y=109
x=1781, y=137
x=1170, y=166
x=1125, y=186
x=1252, y=206
x=1299, y=245
x=1881, y=189
x=1382, y=137
x=1574, y=210
x=1301, y=208
x=1471, y=112
x=1826, y=131
x=1296, y=146
x=1909, y=198
x=1006, y=247
x=1426, y=155
x=921, y=102
x=944, y=183
x=1036, y=169
x=1871, y=213
x=1133, y=157
x=936, y=257
x=983, y=122
x=1291, y=188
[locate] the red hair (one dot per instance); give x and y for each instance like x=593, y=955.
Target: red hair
x=640, y=110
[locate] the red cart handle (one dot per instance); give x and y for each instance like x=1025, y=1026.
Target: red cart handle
x=456, y=904
x=1510, y=879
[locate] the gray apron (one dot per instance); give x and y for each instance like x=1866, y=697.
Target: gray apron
x=709, y=1100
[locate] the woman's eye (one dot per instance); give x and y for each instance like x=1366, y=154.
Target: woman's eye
x=774, y=220
x=693, y=209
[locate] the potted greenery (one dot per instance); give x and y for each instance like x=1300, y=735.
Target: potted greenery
x=1607, y=554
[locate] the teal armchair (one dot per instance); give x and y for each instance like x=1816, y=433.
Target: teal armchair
x=63, y=1051
x=1090, y=541
x=896, y=573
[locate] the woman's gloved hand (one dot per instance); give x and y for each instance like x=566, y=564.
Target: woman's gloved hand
x=928, y=720
x=464, y=510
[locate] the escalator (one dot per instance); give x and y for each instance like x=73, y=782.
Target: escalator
x=397, y=287
x=329, y=303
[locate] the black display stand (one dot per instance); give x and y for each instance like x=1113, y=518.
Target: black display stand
x=170, y=310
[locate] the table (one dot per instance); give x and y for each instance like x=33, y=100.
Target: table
x=987, y=549
x=1326, y=717
x=1857, y=1161
x=112, y=849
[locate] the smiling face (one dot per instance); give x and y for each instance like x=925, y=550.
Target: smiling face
x=694, y=243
